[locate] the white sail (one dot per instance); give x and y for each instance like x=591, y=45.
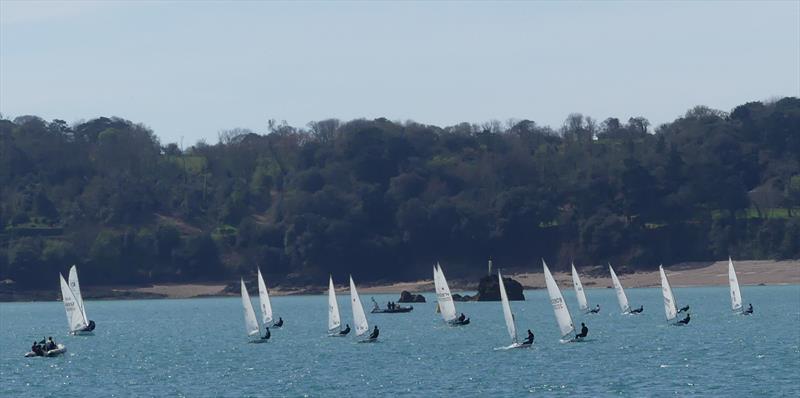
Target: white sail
x=359, y=318
x=250, y=322
x=74, y=314
x=76, y=290
x=621, y=297
x=669, y=300
x=333, y=307
x=263, y=298
x=736, y=295
x=579, y=293
x=559, y=305
x=512, y=328
x=443, y=296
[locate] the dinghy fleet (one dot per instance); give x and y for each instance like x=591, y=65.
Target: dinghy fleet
x=80, y=324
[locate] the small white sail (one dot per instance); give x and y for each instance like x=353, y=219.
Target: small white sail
x=669, y=299
x=736, y=295
x=359, y=318
x=579, y=293
x=559, y=305
x=76, y=290
x=263, y=298
x=443, y=296
x=74, y=314
x=621, y=297
x=250, y=322
x=333, y=307
x=512, y=328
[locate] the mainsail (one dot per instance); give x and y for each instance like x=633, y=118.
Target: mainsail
x=74, y=314
x=579, y=293
x=559, y=305
x=621, y=297
x=263, y=298
x=736, y=295
x=250, y=322
x=359, y=318
x=669, y=299
x=512, y=328
x=75, y=286
x=333, y=307
x=443, y=296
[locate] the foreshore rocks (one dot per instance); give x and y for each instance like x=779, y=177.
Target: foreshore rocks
x=408, y=297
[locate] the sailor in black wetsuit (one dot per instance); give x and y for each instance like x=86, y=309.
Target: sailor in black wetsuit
x=684, y=309
x=638, y=310
x=37, y=349
x=595, y=309
x=50, y=345
x=749, y=309
x=374, y=334
x=461, y=317
x=279, y=323
x=529, y=339
x=267, y=334
x=584, y=332
x=345, y=331
x=685, y=321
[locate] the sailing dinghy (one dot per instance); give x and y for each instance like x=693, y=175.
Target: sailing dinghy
x=263, y=299
x=670, y=308
x=445, y=300
x=563, y=318
x=583, y=304
x=736, y=294
x=334, y=321
x=250, y=322
x=79, y=323
x=624, y=307
x=509, y=317
x=359, y=317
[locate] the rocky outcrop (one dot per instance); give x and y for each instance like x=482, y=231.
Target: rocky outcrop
x=466, y=297
x=489, y=289
x=408, y=297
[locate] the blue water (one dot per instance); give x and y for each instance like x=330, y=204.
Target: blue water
x=197, y=348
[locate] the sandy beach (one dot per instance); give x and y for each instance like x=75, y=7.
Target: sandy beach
x=686, y=274
x=756, y=272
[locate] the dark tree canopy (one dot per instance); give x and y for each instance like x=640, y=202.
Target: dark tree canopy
x=386, y=200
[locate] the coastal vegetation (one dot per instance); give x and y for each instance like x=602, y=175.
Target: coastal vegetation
x=386, y=200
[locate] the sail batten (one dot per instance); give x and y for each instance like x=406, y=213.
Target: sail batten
x=736, y=294
x=670, y=309
x=250, y=322
x=507, y=314
x=334, y=320
x=579, y=293
x=359, y=317
x=624, y=306
x=560, y=309
x=263, y=299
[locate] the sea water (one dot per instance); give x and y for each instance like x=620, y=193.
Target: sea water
x=198, y=348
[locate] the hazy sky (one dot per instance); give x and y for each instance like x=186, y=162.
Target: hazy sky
x=193, y=68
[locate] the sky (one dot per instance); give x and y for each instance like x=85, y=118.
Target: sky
x=189, y=69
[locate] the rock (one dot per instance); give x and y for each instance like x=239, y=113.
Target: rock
x=489, y=289
x=408, y=297
x=466, y=297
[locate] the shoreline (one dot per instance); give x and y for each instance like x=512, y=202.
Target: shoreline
x=750, y=273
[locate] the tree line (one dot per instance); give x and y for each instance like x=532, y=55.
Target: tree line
x=384, y=200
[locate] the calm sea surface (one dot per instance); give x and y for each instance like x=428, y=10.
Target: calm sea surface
x=197, y=348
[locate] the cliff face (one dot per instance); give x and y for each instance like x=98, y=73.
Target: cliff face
x=489, y=289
